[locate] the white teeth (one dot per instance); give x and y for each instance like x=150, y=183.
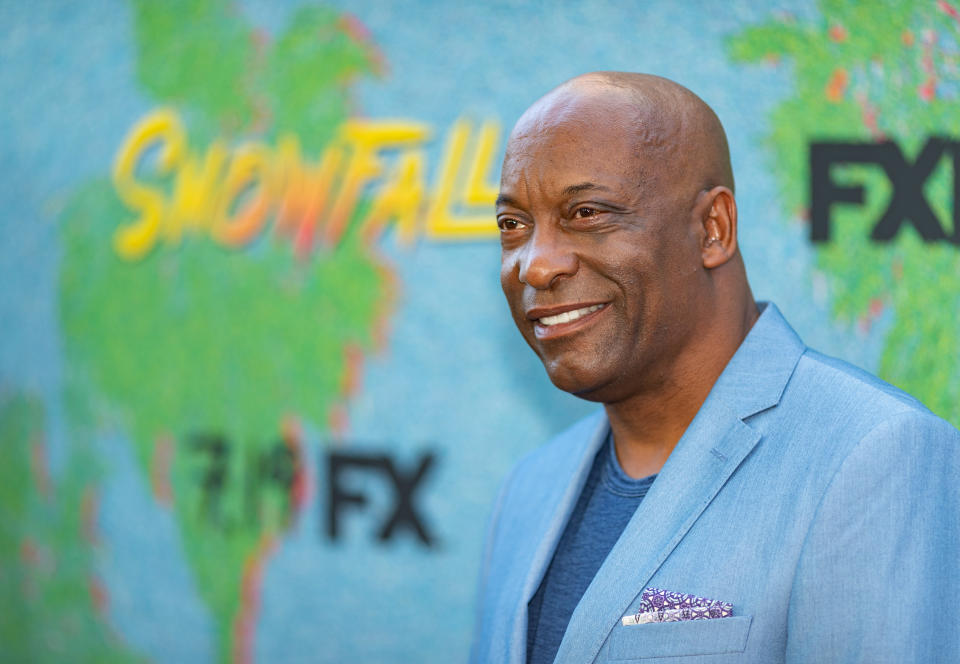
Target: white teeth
x=568, y=316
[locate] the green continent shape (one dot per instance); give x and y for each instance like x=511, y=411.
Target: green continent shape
x=307, y=74
x=47, y=611
x=860, y=73
x=198, y=53
x=201, y=340
x=197, y=340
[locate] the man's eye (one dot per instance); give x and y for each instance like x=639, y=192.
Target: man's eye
x=508, y=224
x=584, y=212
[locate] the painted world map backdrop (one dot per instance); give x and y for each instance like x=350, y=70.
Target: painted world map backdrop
x=258, y=385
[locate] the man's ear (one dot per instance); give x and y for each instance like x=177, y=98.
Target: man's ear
x=718, y=214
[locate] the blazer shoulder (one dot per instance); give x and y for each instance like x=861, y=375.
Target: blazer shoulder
x=829, y=378
x=835, y=407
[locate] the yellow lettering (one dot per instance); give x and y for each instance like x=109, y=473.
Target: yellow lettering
x=311, y=188
x=296, y=197
x=365, y=139
x=247, y=175
x=478, y=191
x=231, y=193
x=401, y=198
x=138, y=238
x=442, y=222
x=194, y=203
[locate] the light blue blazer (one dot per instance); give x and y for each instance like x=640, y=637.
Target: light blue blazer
x=821, y=502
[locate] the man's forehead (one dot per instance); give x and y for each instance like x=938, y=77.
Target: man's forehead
x=656, y=130
x=574, y=142
x=553, y=177
x=572, y=155
x=582, y=107
x=588, y=115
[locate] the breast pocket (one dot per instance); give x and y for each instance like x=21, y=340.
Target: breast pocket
x=676, y=639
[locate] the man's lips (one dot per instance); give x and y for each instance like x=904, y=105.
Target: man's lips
x=555, y=321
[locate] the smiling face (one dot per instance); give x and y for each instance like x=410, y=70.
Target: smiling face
x=601, y=245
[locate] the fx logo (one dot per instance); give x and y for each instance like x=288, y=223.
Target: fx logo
x=908, y=203
x=404, y=512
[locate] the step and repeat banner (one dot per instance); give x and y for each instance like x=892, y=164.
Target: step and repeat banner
x=258, y=383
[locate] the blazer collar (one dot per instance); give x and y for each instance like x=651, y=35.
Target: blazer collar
x=714, y=445
x=758, y=372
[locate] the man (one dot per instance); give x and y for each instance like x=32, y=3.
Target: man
x=798, y=508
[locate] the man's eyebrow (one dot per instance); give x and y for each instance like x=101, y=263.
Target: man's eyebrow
x=583, y=186
x=504, y=199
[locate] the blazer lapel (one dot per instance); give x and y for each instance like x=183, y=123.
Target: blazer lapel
x=537, y=537
x=564, y=501
x=711, y=449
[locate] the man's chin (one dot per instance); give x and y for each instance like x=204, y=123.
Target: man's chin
x=578, y=383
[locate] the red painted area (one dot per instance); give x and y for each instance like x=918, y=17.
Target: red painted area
x=293, y=439
x=98, y=594
x=949, y=10
x=360, y=33
x=339, y=417
x=388, y=300
x=244, y=628
x=352, y=375
x=303, y=241
x=838, y=33
x=40, y=559
x=29, y=552
x=868, y=114
x=89, y=511
x=874, y=310
x=928, y=89
x=897, y=268
x=30, y=556
x=339, y=421
x=355, y=28
x=161, y=461
x=40, y=465
x=837, y=85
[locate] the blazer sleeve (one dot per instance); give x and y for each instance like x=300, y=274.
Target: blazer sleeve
x=878, y=578
x=480, y=641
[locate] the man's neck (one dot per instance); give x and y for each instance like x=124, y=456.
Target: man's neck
x=647, y=426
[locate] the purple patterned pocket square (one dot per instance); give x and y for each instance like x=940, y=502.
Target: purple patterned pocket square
x=658, y=605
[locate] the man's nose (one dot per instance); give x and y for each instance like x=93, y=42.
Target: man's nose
x=546, y=258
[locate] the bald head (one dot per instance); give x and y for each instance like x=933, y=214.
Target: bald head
x=676, y=133
x=616, y=207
